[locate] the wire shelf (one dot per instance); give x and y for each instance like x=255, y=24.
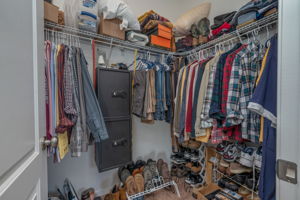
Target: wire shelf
x=158, y=184
x=226, y=176
x=129, y=45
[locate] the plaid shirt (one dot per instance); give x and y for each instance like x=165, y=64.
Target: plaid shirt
x=215, y=106
x=206, y=121
x=233, y=132
x=244, y=72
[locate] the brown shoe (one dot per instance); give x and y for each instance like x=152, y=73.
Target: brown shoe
x=196, y=170
x=165, y=173
x=139, y=182
x=194, y=145
x=160, y=163
x=108, y=197
x=131, y=186
x=115, y=193
x=122, y=191
x=189, y=165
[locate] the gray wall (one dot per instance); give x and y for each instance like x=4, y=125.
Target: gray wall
x=149, y=141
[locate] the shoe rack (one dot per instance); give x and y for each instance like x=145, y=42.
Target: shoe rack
x=158, y=184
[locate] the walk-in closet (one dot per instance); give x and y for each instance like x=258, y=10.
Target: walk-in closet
x=149, y=100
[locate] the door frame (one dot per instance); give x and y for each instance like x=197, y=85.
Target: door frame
x=288, y=107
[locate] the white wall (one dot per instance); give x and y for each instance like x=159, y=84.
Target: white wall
x=149, y=141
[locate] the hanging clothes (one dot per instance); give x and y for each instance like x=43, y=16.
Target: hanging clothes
x=264, y=103
x=71, y=103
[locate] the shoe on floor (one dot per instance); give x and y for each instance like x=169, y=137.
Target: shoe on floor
x=174, y=170
x=236, y=168
x=139, y=182
x=165, y=173
x=131, y=186
x=108, y=197
x=160, y=162
x=123, y=173
x=115, y=193
x=122, y=191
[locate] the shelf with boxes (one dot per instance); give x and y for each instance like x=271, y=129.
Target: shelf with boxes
x=111, y=41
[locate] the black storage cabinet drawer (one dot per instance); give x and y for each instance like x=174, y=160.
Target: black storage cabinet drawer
x=114, y=96
x=114, y=92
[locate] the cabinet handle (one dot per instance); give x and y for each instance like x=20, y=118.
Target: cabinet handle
x=119, y=93
x=120, y=142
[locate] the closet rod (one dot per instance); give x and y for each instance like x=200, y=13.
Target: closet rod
x=107, y=43
x=105, y=39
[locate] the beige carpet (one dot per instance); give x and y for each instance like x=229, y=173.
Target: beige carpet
x=166, y=194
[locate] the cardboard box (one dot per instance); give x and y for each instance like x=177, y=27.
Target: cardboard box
x=50, y=12
x=111, y=27
x=160, y=41
x=164, y=32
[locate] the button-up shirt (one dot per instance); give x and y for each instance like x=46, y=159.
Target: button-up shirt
x=244, y=73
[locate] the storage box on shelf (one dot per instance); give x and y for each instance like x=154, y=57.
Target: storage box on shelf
x=111, y=27
x=50, y=12
x=162, y=37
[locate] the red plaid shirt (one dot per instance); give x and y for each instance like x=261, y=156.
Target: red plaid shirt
x=234, y=131
x=224, y=133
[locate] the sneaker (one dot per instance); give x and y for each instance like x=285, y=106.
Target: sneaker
x=232, y=153
x=247, y=157
x=188, y=179
x=222, y=147
x=236, y=168
x=196, y=181
x=258, y=157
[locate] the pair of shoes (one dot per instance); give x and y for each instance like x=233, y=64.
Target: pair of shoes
x=135, y=184
x=117, y=193
x=163, y=170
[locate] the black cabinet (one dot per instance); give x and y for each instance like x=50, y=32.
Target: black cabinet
x=114, y=96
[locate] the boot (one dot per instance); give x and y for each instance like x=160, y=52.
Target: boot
x=122, y=191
